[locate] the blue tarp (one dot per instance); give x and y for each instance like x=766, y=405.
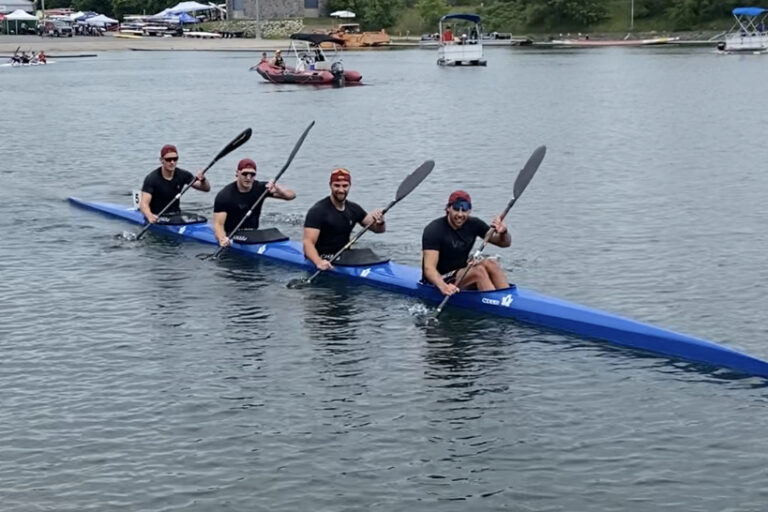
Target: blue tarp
x=474, y=18
x=186, y=18
x=748, y=11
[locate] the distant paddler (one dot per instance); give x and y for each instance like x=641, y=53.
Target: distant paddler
x=235, y=200
x=161, y=185
x=447, y=241
x=330, y=221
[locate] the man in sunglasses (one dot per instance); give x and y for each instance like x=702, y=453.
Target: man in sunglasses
x=447, y=241
x=161, y=185
x=330, y=221
x=233, y=201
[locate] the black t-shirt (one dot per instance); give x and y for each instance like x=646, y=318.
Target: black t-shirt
x=335, y=226
x=163, y=190
x=236, y=204
x=453, y=244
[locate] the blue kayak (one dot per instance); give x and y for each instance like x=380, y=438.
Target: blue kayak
x=514, y=302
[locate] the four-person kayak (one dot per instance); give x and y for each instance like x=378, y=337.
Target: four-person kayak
x=514, y=302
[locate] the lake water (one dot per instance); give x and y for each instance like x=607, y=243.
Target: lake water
x=137, y=377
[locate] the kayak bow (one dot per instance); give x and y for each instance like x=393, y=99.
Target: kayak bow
x=514, y=302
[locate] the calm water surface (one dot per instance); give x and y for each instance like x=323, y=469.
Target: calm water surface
x=137, y=377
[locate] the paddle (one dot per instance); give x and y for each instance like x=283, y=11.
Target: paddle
x=406, y=187
x=523, y=178
x=233, y=145
x=264, y=194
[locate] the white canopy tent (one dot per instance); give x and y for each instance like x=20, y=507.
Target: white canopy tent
x=190, y=6
x=75, y=15
x=100, y=20
x=19, y=15
x=343, y=14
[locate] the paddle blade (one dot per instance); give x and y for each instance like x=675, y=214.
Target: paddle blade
x=234, y=144
x=530, y=168
x=414, y=179
x=295, y=150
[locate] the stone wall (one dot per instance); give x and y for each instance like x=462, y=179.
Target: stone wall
x=274, y=9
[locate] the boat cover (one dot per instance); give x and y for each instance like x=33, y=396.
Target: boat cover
x=474, y=18
x=748, y=11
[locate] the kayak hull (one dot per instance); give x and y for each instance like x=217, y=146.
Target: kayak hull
x=515, y=303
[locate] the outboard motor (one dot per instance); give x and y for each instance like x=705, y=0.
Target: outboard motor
x=337, y=70
x=721, y=46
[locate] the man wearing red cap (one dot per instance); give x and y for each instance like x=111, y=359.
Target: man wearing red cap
x=330, y=221
x=446, y=243
x=161, y=185
x=233, y=201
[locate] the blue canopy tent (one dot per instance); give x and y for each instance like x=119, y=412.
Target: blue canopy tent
x=185, y=18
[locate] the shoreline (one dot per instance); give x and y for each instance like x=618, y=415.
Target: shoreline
x=107, y=43
x=110, y=42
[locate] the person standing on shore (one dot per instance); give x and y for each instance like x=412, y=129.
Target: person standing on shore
x=161, y=185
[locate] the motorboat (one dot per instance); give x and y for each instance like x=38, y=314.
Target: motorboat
x=748, y=33
x=353, y=37
x=465, y=49
x=313, y=65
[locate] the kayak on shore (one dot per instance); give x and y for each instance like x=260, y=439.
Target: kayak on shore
x=514, y=302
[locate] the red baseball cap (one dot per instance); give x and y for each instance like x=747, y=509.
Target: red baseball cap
x=246, y=163
x=168, y=148
x=459, y=194
x=341, y=174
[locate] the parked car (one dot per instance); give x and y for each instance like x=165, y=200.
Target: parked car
x=55, y=28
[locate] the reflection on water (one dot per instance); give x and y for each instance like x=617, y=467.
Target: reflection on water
x=211, y=379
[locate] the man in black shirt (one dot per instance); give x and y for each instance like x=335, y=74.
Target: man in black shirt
x=161, y=185
x=330, y=221
x=233, y=201
x=446, y=243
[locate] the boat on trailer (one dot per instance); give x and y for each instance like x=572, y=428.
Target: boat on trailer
x=514, y=302
x=749, y=33
x=313, y=65
x=464, y=50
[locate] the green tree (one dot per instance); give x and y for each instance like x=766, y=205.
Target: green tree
x=100, y=6
x=552, y=14
x=686, y=14
x=372, y=14
x=430, y=11
x=502, y=16
x=650, y=8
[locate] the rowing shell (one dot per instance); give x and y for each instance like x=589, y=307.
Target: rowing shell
x=26, y=65
x=513, y=302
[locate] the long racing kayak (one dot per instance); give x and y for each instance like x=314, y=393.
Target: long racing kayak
x=514, y=302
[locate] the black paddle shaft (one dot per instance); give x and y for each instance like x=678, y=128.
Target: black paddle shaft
x=521, y=182
x=264, y=194
x=406, y=187
x=233, y=145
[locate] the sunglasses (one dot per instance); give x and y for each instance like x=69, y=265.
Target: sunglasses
x=171, y=159
x=248, y=174
x=460, y=205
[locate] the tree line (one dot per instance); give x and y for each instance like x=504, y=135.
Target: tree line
x=501, y=15
x=523, y=15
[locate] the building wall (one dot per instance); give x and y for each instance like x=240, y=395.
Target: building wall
x=275, y=9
